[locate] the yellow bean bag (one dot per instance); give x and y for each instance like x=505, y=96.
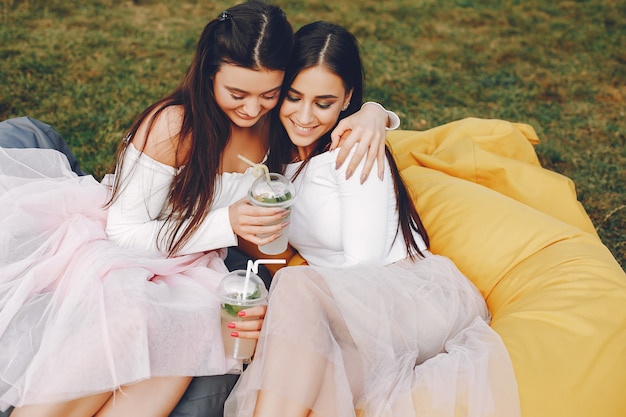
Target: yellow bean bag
x=556, y=294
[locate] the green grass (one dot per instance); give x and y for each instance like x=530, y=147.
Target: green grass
x=89, y=67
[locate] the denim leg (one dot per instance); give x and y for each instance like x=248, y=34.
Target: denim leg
x=236, y=259
x=205, y=396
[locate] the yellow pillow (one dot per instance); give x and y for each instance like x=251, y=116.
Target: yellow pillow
x=556, y=294
x=496, y=154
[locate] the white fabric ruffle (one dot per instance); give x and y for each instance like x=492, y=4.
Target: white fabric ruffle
x=80, y=315
x=403, y=340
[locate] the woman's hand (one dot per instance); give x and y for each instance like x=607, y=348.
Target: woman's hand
x=367, y=129
x=249, y=222
x=250, y=328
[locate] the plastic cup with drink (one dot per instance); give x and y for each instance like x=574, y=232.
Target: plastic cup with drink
x=238, y=291
x=272, y=190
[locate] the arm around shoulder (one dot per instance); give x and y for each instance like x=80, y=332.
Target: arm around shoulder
x=365, y=129
x=393, y=120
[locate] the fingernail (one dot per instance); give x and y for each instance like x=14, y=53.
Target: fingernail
x=231, y=325
x=363, y=178
x=234, y=334
x=349, y=173
x=241, y=313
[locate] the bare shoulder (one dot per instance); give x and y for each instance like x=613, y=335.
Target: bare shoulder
x=160, y=142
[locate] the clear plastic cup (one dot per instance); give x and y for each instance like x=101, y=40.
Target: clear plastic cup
x=235, y=295
x=278, y=191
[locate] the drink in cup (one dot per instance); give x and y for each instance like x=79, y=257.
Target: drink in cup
x=235, y=295
x=273, y=190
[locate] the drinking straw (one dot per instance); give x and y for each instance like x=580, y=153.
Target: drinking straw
x=254, y=267
x=257, y=169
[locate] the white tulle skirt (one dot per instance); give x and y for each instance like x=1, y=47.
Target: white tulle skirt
x=78, y=314
x=407, y=339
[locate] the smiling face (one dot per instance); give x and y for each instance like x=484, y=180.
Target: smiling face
x=246, y=95
x=312, y=106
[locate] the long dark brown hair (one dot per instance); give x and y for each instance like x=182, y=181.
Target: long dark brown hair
x=252, y=35
x=330, y=45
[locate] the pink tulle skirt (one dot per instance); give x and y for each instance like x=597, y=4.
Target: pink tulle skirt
x=404, y=340
x=80, y=315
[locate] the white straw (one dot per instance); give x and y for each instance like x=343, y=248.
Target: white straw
x=256, y=263
x=254, y=267
x=249, y=269
x=258, y=169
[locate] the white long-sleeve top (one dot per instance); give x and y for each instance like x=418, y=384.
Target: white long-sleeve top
x=339, y=222
x=133, y=217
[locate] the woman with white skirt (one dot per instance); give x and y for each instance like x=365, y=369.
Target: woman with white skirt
x=375, y=325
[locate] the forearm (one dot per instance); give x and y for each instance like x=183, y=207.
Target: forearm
x=364, y=130
x=214, y=233
x=393, y=120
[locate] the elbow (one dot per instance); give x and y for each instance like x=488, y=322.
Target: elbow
x=127, y=237
x=119, y=236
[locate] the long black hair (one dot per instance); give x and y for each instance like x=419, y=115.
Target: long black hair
x=334, y=47
x=252, y=35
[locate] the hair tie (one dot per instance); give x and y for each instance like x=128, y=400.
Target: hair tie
x=224, y=15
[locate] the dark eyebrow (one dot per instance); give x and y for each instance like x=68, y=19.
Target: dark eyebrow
x=239, y=90
x=323, y=97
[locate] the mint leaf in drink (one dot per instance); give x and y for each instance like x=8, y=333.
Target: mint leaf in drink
x=274, y=199
x=284, y=197
x=233, y=310
x=256, y=294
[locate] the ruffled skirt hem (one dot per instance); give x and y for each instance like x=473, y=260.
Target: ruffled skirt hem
x=80, y=315
x=403, y=340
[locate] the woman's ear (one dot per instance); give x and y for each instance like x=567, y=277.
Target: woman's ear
x=346, y=101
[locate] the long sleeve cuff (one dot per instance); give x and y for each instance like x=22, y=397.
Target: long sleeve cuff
x=394, y=120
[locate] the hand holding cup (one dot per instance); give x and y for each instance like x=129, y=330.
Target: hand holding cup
x=276, y=191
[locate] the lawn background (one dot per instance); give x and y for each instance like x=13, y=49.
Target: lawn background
x=89, y=67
